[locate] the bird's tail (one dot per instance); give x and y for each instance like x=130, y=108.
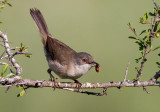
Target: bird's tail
x=41, y=24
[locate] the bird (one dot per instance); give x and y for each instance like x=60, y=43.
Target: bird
x=62, y=60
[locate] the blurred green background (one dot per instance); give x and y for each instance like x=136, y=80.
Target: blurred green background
x=98, y=27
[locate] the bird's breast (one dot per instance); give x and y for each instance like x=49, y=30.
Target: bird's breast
x=69, y=71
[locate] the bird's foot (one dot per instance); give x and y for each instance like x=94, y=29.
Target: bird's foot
x=56, y=85
x=78, y=84
x=53, y=79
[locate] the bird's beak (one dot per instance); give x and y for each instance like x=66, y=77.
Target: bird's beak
x=96, y=65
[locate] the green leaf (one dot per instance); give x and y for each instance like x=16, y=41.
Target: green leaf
x=138, y=59
x=158, y=63
x=9, y=4
x=21, y=93
x=140, y=38
x=21, y=45
x=152, y=14
x=156, y=48
x=4, y=69
x=156, y=27
x=134, y=30
x=19, y=87
x=146, y=16
x=28, y=55
x=131, y=37
x=159, y=54
x=129, y=24
x=159, y=11
x=137, y=69
x=9, y=75
x=141, y=20
x=144, y=31
x=1, y=21
x=145, y=60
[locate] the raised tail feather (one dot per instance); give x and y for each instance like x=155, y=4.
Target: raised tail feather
x=41, y=24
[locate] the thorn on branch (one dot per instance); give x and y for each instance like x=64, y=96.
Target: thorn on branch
x=157, y=7
x=156, y=76
x=145, y=89
x=125, y=77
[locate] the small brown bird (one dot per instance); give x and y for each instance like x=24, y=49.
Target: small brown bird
x=62, y=60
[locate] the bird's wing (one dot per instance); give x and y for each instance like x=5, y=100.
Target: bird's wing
x=59, y=51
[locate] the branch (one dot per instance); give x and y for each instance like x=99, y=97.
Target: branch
x=9, y=53
x=42, y=83
x=152, y=35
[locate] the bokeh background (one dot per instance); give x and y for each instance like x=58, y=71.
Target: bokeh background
x=98, y=27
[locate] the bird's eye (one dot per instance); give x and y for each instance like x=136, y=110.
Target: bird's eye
x=84, y=60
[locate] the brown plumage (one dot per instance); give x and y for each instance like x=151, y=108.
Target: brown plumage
x=54, y=49
x=63, y=60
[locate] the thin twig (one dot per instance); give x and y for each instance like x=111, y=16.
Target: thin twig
x=157, y=7
x=17, y=53
x=145, y=89
x=125, y=77
x=2, y=63
x=132, y=30
x=2, y=45
x=104, y=92
x=1, y=57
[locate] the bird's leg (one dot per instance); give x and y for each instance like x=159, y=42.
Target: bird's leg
x=78, y=84
x=53, y=79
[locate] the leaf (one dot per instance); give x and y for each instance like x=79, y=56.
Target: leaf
x=21, y=45
x=156, y=27
x=1, y=21
x=137, y=69
x=159, y=54
x=131, y=37
x=158, y=63
x=19, y=87
x=156, y=48
x=134, y=30
x=158, y=11
x=4, y=69
x=137, y=60
x=9, y=75
x=141, y=48
x=144, y=31
x=140, y=38
x=28, y=55
x=146, y=16
x=129, y=24
x=151, y=14
x=141, y=20
x=145, y=60
x=9, y=4
x=21, y=93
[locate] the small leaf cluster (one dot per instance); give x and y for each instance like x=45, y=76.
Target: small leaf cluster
x=145, y=38
x=23, y=48
x=3, y=3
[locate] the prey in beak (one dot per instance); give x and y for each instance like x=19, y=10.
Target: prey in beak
x=96, y=65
